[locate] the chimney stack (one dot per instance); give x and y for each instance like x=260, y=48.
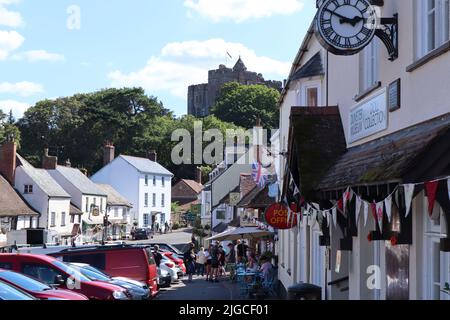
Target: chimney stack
x=8, y=160
x=108, y=153
x=49, y=162
x=153, y=156
x=198, y=176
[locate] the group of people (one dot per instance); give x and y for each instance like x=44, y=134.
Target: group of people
x=214, y=262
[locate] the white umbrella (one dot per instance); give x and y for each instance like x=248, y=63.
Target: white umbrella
x=230, y=229
x=241, y=233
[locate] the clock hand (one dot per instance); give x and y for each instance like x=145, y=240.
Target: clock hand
x=344, y=19
x=338, y=15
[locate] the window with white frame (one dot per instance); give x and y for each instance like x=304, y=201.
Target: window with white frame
x=369, y=66
x=432, y=25
x=146, y=200
x=146, y=219
x=53, y=219
x=163, y=202
x=63, y=219
x=116, y=212
x=154, y=200
x=309, y=94
x=146, y=180
x=163, y=181
x=154, y=180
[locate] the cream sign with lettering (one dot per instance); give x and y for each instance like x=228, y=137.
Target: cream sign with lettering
x=369, y=117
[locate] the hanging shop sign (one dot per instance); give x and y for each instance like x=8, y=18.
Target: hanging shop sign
x=280, y=217
x=368, y=117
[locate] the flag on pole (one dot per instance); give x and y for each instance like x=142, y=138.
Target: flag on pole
x=229, y=55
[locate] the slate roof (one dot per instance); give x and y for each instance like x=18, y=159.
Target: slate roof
x=43, y=179
x=194, y=185
x=410, y=154
x=316, y=142
x=79, y=180
x=146, y=166
x=258, y=198
x=11, y=203
x=239, y=66
x=114, y=197
x=313, y=67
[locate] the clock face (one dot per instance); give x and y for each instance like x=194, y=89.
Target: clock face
x=345, y=27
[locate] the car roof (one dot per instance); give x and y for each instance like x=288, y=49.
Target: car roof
x=28, y=255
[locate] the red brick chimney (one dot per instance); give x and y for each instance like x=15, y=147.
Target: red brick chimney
x=49, y=162
x=198, y=175
x=8, y=160
x=153, y=156
x=108, y=153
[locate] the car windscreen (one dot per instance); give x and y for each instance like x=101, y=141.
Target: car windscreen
x=8, y=292
x=71, y=271
x=94, y=275
x=23, y=281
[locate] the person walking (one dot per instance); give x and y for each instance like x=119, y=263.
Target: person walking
x=189, y=261
x=201, y=260
x=231, y=260
x=221, y=259
x=157, y=255
x=215, y=263
x=208, y=264
x=166, y=227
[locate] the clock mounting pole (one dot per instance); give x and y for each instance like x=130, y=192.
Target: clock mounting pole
x=388, y=34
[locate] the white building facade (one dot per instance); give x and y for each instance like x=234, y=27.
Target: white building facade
x=145, y=183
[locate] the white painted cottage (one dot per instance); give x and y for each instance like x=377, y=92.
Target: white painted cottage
x=145, y=183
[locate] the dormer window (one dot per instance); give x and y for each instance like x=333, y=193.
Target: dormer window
x=28, y=189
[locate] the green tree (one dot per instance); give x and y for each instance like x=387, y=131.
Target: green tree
x=243, y=105
x=8, y=128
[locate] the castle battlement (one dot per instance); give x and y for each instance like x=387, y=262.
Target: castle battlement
x=202, y=97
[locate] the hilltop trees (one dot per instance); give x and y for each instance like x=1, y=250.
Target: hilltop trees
x=243, y=104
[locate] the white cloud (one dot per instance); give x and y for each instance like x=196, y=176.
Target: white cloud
x=181, y=64
x=9, y=18
x=24, y=88
x=241, y=10
x=18, y=108
x=9, y=41
x=38, y=55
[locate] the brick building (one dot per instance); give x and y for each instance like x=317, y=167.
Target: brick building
x=202, y=97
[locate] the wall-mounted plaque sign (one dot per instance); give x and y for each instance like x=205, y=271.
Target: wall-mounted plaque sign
x=368, y=117
x=394, y=95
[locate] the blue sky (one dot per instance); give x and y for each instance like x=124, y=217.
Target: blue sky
x=162, y=46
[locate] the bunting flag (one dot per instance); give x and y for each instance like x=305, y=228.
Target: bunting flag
x=340, y=204
x=348, y=195
x=431, y=188
x=366, y=212
x=379, y=214
x=358, y=208
x=388, y=205
x=409, y=193
x=334, y=213
x=448, y=187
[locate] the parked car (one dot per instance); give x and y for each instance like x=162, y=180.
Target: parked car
x=53, y=272
x=141, y=234
x=9, y=292
x=38, y=289
x=171, y=267
x=175, y=258
x=167, y=247
x=130, y=261
x=164, y=278
x=138, y=290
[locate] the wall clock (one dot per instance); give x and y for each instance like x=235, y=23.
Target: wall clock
x=345, y=27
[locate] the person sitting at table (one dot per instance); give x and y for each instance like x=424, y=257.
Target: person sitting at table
x=251, y=266
x=266, y=269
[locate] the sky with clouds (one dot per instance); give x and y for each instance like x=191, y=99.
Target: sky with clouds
x=50, y=48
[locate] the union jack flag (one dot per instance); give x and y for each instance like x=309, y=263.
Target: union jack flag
x=258, y=175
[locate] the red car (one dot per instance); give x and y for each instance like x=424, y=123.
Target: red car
x=38, y=289
x=134, y=262
x=56, y=273
x=173, y=257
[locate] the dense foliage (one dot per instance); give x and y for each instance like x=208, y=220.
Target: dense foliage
x=77, y=127
x=8, y=129
x=243, y=105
